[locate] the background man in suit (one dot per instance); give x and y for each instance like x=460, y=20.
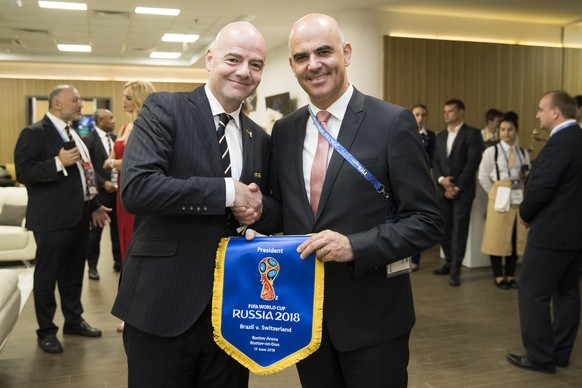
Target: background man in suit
x=428, y=138
x=550, y=273
x=99, y=143
x=456, y=160
x=490, y=133
x=367, y=318
x=175, y=182
x=59, y=213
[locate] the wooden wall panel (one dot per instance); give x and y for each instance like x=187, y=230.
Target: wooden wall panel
x=483, y=75
x=14, y=93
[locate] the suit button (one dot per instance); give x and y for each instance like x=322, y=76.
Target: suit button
x=205, y=209
x=183, y=208
x=191, y=209
x=198, y=209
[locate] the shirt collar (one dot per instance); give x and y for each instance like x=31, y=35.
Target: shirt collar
x=423, y=131
x=339, y=107
x=101, y=132
x=455, y=129
x=562, y=125
x=505, y=146
x=217, y=109
x=58, y=123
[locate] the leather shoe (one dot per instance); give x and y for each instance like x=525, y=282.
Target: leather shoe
x=524, y=363
x=561, y=364
x=82, y=328
x=455, y=280
x=117, y=266
x=502, y=284
x=512, y=284
x=94, y=274
x=50, y=344
x=444, y=270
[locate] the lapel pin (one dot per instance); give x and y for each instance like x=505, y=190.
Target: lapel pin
x=249, y=133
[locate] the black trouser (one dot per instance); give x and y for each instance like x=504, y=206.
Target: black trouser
x=189, y=360
x=456, y=215
x=60, y=260
x=95, y=241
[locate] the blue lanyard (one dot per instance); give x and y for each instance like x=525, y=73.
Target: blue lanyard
x=349, y=157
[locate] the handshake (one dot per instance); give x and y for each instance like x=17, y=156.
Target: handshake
x=248, y=203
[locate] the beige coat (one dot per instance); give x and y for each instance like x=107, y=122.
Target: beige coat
x=499, y=227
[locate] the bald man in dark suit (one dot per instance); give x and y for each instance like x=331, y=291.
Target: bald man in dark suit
x=367, y=317
x=186, y=197
x=549, y=288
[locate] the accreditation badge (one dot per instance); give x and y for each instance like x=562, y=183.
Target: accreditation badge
x=267, y=305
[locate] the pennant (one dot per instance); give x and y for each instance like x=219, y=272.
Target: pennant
x=267, y=305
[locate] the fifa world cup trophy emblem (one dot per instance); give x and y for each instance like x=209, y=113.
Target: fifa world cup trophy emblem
x=269, y=269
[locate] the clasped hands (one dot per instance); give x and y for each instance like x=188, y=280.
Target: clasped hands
x=451, y=190
x=248, y=203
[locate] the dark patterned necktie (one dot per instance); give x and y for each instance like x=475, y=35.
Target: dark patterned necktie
x=68, y=130
x=223, y=120
x=109, y=143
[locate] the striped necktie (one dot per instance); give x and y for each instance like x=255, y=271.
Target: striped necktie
x=223, y=120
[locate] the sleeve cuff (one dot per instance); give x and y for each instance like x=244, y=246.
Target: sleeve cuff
x=229, y=185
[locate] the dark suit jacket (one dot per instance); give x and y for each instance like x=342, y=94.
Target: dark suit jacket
x=98, y=156
x=429, y=145
x=172, y=179
x=55, y=201
x=363, y=307
x=552, y=203
x=463, y=161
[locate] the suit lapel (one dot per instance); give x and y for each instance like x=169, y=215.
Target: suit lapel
x=53, y=134
x=248, y=149
x=350, y=126
x=99, y=144
x=206, y=132
x=457, y=140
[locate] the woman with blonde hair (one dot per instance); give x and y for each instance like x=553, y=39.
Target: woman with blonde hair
x=134, y=96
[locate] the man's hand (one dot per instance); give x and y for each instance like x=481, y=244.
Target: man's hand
x=69, y=157
x=109, y=187
x=448, y=182
x=250, y=234
x=248, y=203
x=100, y=217
x=328, y=246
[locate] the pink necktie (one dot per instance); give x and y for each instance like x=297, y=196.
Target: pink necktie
x=319, y=163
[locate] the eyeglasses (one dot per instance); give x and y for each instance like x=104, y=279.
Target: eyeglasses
x=77, y=101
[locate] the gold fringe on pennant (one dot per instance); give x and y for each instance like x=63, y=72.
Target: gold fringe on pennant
x=242, y=358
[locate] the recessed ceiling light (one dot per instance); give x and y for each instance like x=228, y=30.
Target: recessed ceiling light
x=157, y=11
x=63, y=5
x=189, y=38
x=165, y=55
x=78, y=48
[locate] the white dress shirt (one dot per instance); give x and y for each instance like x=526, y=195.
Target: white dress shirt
x=60, y=125
x=234, y=141
x=488, y=174
x=337, y=111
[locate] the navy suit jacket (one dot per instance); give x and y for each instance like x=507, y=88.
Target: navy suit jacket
x=463, y=161
x=173, y=181
x=362, y=307
x=98, y=156
x=552, y=202
x=55, y=201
